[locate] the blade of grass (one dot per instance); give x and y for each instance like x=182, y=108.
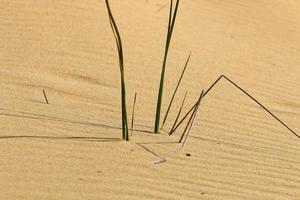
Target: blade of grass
x=173, y=20
x=161, y=86
x=187, y=125
x=170, y=18
x=45, y=96
x=132, y=118
x=179, y=112
x=121, y=65
x=175, y=91
x=191, y=119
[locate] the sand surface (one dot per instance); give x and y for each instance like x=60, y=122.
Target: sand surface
x=71, y=148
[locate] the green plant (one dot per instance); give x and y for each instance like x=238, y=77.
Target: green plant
x=117, y=36
x=172, y=19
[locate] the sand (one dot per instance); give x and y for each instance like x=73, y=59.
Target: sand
x=71, y=149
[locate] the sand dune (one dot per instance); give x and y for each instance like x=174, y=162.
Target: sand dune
x=72, y=148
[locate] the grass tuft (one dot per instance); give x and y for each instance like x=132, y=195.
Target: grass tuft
x=172, y=19
x=117, y=36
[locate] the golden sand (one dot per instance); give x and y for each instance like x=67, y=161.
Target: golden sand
x=71, y=148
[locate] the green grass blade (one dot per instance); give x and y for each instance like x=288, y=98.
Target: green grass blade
x=173, y=20
x=121, y=65
x=170, y=18
x=175, y=91
x=161, y=86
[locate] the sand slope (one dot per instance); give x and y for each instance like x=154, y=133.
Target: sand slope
x=71, y=148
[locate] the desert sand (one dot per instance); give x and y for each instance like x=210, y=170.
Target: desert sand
x=71, y=148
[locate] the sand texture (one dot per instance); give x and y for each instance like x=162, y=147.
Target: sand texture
x=71, y=149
